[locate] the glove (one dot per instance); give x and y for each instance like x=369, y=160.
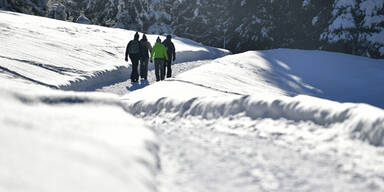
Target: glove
x=126, y=59
x=151, y=61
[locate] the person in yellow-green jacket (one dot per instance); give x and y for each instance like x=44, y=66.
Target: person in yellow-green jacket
x=160, y=53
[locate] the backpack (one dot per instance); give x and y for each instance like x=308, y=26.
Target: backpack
x=134, y=47
x=168, y=46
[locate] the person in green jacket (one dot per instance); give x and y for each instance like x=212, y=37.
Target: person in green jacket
x=160, y=53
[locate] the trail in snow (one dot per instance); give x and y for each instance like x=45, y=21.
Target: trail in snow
x=122, y=88
x=200, y=155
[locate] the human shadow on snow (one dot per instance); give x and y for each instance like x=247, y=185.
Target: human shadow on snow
x=136, y=86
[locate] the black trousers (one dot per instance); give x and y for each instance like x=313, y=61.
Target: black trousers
x=159, y=69
x=167, y=66
x=135, y=64
x=144, y=68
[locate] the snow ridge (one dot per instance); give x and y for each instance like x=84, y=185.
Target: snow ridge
x=362, y=121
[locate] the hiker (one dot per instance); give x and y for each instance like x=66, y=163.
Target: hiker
x=134, y=52
x=160, y=53
x=145, y=47
x=171, y=54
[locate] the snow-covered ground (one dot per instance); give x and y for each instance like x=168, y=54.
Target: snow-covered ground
x=73, y=142
x=258, y=121
x=52, y=140
x=241, y=123
x=73, y=56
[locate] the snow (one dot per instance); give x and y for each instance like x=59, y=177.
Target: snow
x=223, y=107
x=243, y=3
x=54, y=140
x=72, y=147
x=345, y=3
x=370, y=7
x=42, y=50
x=274, y=120
x=315, y=20
x=343, y=21
x=306, y=3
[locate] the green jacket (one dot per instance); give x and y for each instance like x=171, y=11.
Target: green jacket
x=159, y=52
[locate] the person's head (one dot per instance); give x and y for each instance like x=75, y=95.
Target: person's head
x=144, y=37
x=169, y=37
x=137, y=36
x=158, y=40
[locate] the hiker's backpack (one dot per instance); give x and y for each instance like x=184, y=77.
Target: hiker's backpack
x=134, y=47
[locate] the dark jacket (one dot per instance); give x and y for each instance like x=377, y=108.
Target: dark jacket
x=170, y=48
x=139, y=54
x=146, y=48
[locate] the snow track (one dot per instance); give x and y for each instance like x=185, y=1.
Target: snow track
x=125, y=87
x=363, y=121
x=200, y=155
x=247, y=143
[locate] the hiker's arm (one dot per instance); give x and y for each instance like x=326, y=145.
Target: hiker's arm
x=126, y=52
x=166, y=54
x=174, y=52
x=149, y=47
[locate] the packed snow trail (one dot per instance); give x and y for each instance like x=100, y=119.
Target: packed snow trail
x=124, y=87
x=200, y=155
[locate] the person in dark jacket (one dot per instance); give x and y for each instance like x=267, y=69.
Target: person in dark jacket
x=146, y=48
x=171, y=51
x=133, y=50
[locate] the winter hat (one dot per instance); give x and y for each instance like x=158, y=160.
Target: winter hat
x=169, y=36
x=158, y=40
x=137, y=35
x=144, y=37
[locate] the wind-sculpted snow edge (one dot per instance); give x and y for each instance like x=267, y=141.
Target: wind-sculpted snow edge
x=360, y=121
x=74, y=135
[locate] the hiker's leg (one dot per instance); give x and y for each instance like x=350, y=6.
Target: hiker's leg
x=142, y=68
x=145, y=65
x=134, y=67
x=169, y=69
x=135, y=64
x=162, y=72
x=157, y=70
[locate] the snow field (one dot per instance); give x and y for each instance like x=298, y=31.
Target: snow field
x=260, y=94
x=333, y=76
x=72, y=56
x=53, y=140
x=242, y=114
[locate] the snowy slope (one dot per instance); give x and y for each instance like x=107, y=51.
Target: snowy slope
x=334, y=76
x=52, y=140
x=67, y=55
x=258, y=95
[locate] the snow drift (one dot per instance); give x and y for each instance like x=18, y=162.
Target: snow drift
x=360, y=121
x=73, y=142
x=270, y=84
